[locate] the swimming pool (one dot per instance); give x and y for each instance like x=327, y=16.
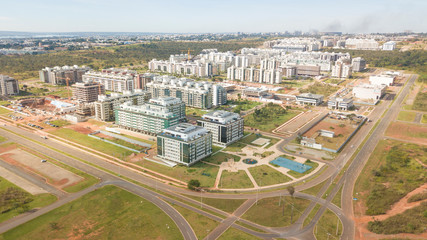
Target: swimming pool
x=292, y=165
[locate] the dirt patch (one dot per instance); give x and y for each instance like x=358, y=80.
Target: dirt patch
x=411, y=132
x=296, y=123
x=402, y=205
x=81, y=129
x=53, y=174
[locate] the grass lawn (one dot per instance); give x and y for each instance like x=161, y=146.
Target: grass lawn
x=249, y=139
x=235, y=147
x=412, y=220
x=406, y=116
x=295, y=83
x=2, y=103
x=390, y=174
x=322, y=89
x=215, y=148
x=265, y=175
x=239, y=105
x=420, y=102
x=96, y=122
x=315, y=189
x=85, y=140
x=203, y=172
x=328, y=224
x=311, y=215
x=2, y=139
x=8, y=210
x=141, y=139
x=236, y=234
x=313, y=165
x=226, y=205
x=201, y=225
x=235, y=180
x=407, y=107
x=221, y=157
x=337, y=198
x=268, y=212
x=3, y=110
x=269, y=117
x=195, y=112
x=60, y=122
x=424, y=118
x=106, y=213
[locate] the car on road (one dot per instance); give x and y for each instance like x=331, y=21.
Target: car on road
x=43, y=160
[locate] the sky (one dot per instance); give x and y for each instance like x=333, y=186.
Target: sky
x=202, y=16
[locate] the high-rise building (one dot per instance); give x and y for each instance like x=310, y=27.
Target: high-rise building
x=148, y=118
x=358, y=64
x=104, y=107
x=193, y=94
x=141, y=80
x=115, y=80
x=341, y=70
x=60, y=75
x=87, y=92
x=8, y=85
x=184, y=143
x=226, y=127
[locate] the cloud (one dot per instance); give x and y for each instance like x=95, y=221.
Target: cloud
x=4, y=18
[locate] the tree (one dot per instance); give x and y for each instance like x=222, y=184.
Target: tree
x=291, y=191
x=193, y=184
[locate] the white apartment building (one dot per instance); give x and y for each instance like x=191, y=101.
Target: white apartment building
x=174, y=105
x=184, y=143
x=270, y=76
x=369, y=92
x=8, y=85
x=194, y=94
x=148, y=118
x=60, y=75
x=382, y=79
x=226, y=127
x=341, y=70
x=104, y=107
x=112, y=80
x=389, y=46
x=358, y=64
x=361, y=44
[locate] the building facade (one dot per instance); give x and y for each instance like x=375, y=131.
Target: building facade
x=226, y=127
x=174, y=105
x=340, y=103
x=8, y=85
x=194, y=94
x=358, y=64
x=184, y=143
x=115, y=81
x=87, y=92
x=148, y=118
x=369, y=92
x=104, y=107
x=60, y=75
x=382, y=79
x=309, y=99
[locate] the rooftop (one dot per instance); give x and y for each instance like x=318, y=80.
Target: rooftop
x=221, y=116
x=184, y=132
x=310, y=95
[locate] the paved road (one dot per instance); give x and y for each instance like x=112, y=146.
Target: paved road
x=363, y=156
x=180, y=221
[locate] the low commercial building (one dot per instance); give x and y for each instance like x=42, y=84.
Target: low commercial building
x=87, y=92
x=254, y=92
x=184, y=143
x=309, y=99
x=369, y=92
x=226, y=127
x=340, y=103
x=307, y=70
x=148, y=118
x=382, y=80
x=104, y=107
x=8, y=86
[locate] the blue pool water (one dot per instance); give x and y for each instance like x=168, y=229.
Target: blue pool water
x=292, y=165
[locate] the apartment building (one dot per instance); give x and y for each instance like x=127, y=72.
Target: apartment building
x=104, y=107
x=184, y=143
x=141, y=80
x=60, y=75
x=188, y=68
x=226, y=127
x=389, y=46
x=8, y=86
x=194, y=94
x=87, y=92
x=269, y=76
x=174, y=105
x=309, y=99
x=115, y=80
x=358, y=64
x=341, y=70
x=361, y=44
x=148, y=118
